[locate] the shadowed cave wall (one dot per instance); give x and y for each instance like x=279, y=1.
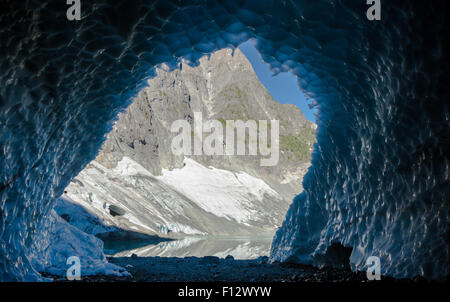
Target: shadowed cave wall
x=379, y=181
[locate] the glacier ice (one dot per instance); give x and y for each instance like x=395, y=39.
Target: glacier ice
x=191, y=200
x=59, y=241
x=379, y=180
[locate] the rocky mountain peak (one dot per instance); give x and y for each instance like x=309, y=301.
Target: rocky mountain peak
x=222, y=86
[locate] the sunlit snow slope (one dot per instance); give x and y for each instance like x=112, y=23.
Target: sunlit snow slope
x=192, y=200
x=379, y=180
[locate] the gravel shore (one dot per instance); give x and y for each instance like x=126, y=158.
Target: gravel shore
x=214, y=269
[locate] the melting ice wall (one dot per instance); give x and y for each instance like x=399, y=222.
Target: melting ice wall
x=379, y=182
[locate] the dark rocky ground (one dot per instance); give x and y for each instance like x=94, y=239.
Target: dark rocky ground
x=214, y=269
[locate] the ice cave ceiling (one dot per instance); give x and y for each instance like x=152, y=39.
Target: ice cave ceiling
x=379, y=181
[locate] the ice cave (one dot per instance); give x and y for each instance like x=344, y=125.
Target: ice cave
x=379, y=180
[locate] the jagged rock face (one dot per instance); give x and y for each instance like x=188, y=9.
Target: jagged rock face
x=380, y=172
x=224, y=87
x=237, y=197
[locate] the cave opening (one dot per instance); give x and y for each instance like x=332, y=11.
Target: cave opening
x=144, y=197
x=379, y=177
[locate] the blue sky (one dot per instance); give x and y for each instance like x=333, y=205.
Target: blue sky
x=283, y=87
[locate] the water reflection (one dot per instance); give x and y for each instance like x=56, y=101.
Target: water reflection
x=239, y=248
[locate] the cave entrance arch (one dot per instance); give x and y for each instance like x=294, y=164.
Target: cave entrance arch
x=63, y=83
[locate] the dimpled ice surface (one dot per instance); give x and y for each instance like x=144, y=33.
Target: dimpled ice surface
x=379, y=180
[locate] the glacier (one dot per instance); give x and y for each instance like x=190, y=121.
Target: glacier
x=191, y=200
x=379, y=179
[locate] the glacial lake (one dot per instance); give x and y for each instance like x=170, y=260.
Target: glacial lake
x=238, y=247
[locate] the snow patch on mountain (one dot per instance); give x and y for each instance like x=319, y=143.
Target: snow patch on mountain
x=221, y=192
